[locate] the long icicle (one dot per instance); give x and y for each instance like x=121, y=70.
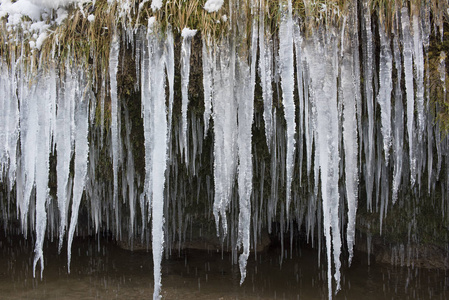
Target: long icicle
x=288, y=84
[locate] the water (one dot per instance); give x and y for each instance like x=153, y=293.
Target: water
x=103, y=270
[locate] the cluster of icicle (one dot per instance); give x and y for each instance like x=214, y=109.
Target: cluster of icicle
x=45, y=111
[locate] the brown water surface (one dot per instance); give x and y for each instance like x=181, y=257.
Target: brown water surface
x=102, y=270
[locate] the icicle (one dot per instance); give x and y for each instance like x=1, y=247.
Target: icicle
x=309, y=118
x=4, y=110
x=265, y=73
x=225, y=132
x=245, y=82
x=156, y=142
x=245, y=172
x=115, y=126
x=170, y=68
x=81, y=158
x=43, y=95
x=407, y=51
x=28, y=138
x=207, y=81
x=418, y=58
x=354, y=32
x=187, y=36
x=288, y=84
x=299, y=77
x=147, y=114
x=368, y=82
x=350, y=142
x=385, y=87
x=398, y=122
x=9, y=124
x=324, y=91
x=64, y=146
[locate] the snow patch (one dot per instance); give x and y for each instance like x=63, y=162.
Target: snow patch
x=187, y=32
x=213, y=5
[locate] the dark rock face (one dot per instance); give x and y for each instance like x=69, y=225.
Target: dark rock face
x=404, y=255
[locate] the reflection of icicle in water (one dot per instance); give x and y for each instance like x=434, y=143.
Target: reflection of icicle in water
x=187, y=36
x=288, y=84
x=385, y=87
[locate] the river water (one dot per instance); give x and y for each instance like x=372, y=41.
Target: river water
x=102, y=270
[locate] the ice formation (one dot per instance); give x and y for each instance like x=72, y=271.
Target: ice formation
x=288, y=85
x=115, y=124
x=187, y=36
x=270, y=150
x=225, y=124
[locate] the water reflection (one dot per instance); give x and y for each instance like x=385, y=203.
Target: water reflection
x=102, y=270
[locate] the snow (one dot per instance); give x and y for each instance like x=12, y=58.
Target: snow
x=62, y=15
x=55, y=3
x=156, y=5
x=18, y=9
x=188, y=33
x=213, y=5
